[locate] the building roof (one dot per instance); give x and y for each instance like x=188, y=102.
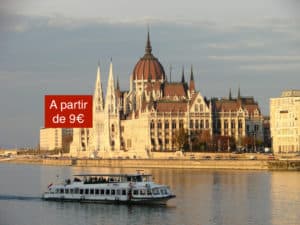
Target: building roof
x=171, y=106
x=148, y=67
x=174, y=89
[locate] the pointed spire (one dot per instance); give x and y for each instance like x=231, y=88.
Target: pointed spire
x=170, y=73
x=118, y=83
x=192, y=73
x=182, y=75
x=192, y=82
x=230, y=96
x=98, y=93
x=239, y=93
x=148, y=48
x=110, y=100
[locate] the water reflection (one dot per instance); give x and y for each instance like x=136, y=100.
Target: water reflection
x=203, y=197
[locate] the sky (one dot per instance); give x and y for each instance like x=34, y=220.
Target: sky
x=53, y=47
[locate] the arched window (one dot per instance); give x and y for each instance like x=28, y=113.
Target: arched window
x=166, y=124
x=112, y=128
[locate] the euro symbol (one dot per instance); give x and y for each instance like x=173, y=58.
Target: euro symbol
x=80, y=118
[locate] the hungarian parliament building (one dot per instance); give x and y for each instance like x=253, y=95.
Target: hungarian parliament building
x=155, y=112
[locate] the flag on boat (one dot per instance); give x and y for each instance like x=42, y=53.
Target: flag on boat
x=50, y=185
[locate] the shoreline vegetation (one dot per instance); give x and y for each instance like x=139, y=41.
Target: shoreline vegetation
x=215, y=161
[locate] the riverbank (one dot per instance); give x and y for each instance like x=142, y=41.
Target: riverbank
x=240, y=164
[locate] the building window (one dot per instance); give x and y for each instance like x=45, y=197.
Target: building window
x=152, y=125
x=240, y=124
x=226, y=124
x=128, y=143
x=122, y=128
x=232, y=124
x=201, y=124
x=180, y=123
x=196, y=108
x=206, y=123
x=173, y=124
x=112, y=128
x=191, y=124
x=166, y=124
x=201, y=108
x=159, y=124
x=196, y=124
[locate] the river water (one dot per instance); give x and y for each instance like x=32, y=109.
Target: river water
x=204, y=197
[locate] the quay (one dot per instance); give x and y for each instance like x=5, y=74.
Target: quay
x=234, y=164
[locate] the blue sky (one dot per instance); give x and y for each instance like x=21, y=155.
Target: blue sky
x=53, y=47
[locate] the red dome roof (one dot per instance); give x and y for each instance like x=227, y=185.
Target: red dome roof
x=148, y=67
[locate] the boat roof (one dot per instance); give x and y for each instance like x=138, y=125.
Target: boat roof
x=111, y=175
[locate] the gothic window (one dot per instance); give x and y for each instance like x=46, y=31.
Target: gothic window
x=206, y=123
x=240, y=124
x=159, y=124
x=201, y=124
x=152, y=125
x=232, y=124
x=197, y=124
x=191, y=124
x=180, y=123
x=201, y=108
x=173, y=124
x=112, y=128
x=218, y=124
x=226, y=124
x=122, y=128
x=166, y=124
x=196, y=108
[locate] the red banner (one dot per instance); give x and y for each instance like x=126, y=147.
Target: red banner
x=68, y=111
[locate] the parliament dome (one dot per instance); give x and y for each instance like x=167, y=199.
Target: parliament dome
x=148, y=67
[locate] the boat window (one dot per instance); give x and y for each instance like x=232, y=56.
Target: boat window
x=142, y=192
x=107, y=191
x=97, y=191
x=135, y=192
x=139, y=179
x=76, y=190
x=86, y=191
x=162, y=191
x=102, y=191
x=71, y=191
x=155, y=191
x=61, y=191
x=81, y=191
x=149, y=192
x=56, y=190
x=123, y=191
x=91, y=191
x=118, y=192
x=67, y=191
x=113, y=192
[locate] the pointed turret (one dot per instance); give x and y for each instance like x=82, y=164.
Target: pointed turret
x=239, y=93
x=148, y=49
x=182, y=75
x=98, y=93
x=118, y=84
x=192, y=82
x=230, y=96
x=110, y=100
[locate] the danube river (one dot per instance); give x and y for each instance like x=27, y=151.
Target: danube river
x=204, y=197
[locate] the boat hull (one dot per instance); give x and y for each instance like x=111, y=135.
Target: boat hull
x=133, y=201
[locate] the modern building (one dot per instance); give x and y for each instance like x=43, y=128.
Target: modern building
x=54, y=138
x=284, y=121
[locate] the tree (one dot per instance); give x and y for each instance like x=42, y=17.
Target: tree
x=180, y=138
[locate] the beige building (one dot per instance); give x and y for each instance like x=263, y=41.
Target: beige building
x=53, y=138
x=144, y=119
x=285, y=122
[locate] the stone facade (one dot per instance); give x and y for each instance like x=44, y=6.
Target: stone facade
x=284, y=121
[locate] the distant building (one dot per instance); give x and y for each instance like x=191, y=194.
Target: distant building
x=146, y=117
x=54, y=138
x=149, y=116
x=285, y=122
x=238, y=117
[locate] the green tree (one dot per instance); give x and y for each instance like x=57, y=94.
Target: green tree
x=181, y=139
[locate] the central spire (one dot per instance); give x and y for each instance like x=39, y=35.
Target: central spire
x=148, y=49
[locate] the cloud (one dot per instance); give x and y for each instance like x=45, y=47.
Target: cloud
x=272, y=67
x=257, y=58
x=237, y=45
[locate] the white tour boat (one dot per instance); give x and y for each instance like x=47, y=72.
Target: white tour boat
x=114, y=188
